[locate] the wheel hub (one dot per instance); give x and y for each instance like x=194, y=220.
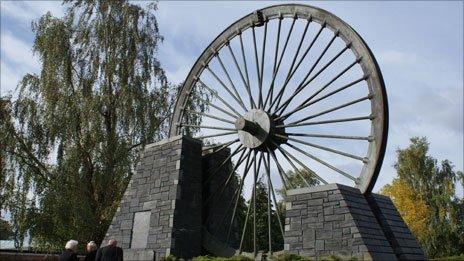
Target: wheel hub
x=257, y=130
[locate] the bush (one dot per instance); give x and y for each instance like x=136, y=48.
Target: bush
x=171, y=258
x=240, y=258
x=281, y=257
x=337, y=258
x=289, y=257
x=233, y=258
x=460, y=257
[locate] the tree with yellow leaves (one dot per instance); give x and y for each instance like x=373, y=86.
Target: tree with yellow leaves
x=424, y=194
x=412, y=209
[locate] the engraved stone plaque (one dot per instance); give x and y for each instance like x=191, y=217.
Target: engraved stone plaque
x=140, y=229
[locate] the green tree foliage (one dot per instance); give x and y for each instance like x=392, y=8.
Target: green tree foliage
x=300, y=179
x=262, y=234
x=71, y=139
x=433, y=184
x=6, y=230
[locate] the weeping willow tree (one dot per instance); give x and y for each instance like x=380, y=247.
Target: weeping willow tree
x=71, y=139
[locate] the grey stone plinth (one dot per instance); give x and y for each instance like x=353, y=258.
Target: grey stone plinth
x=219, y=200
x=138, y=255
x=401, y=239
x=160, y=211
x=336, y=219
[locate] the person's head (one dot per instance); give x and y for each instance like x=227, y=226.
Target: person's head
x=112, y=242
x=71, y=245
x=91, y=246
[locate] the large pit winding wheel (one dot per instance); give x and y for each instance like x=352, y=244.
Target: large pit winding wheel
x=288, y=88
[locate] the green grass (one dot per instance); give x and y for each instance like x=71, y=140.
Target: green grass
x=210, y=258
x=460, y=257
x=281, y=257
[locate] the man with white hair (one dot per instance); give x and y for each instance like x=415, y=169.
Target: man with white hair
x=91, y=251
x=111, y=252
x=69, y=253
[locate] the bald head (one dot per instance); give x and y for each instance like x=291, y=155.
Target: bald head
x=91, y=246
x=112, y=242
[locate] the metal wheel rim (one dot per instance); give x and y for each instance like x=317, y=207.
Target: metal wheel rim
x=375, y=83
x=348, y=34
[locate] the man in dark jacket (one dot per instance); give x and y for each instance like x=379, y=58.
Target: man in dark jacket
x=91, y=251
x=110, y=253
x=69, y=254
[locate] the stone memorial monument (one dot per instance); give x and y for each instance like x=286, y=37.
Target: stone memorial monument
x=289, y=96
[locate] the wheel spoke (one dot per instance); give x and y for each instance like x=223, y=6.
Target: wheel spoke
x=268, y=172
x=330, y=136
x=245, y=224
x=254, y=206
x=298, y=49
x=297, y=171
x=247, y=87
x=279, y=95
x=323, y=148
x=207, y=127
x=279, y=168
x=329, y=62
x=216, y=135
x=219, y=97
x=287, y=155
x=224, y=215
x=291, y=72
x=231, y=82
x=276, y=53
x=257, y=68
x=280, y=59
x=322, y=162
x=221, y=146
x=224, y=86
x=231, y=173
x=308, y=102
x=237, y=192
x=262, y=64
x=325, y=122
x=269, y=232
x=242, y=181
x=308, y=49
x=210, y=116
x=303, y=84
x=333, y=109
x=253, y=104
x=218, y=108
x=224, y=162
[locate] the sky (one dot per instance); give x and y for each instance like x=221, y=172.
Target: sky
x=418, y=45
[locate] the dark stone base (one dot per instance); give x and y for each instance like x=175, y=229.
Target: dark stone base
x=138, y=255
x=337, y=219
x=160, y=212
x=163, y=211
x=399, y=236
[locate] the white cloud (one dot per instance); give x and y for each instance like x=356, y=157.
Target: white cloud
x=18, y=51
x=26, y=11
x=16, y=54
x=397, y=58
x=8, y=79
x=424, y=89
x=16, y=10
x=17, y=60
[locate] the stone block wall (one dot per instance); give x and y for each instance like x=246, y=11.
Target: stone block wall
x=218, y=203
x=164, y=199
x=333, y=219
x=165, y=207
x=401, y=239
